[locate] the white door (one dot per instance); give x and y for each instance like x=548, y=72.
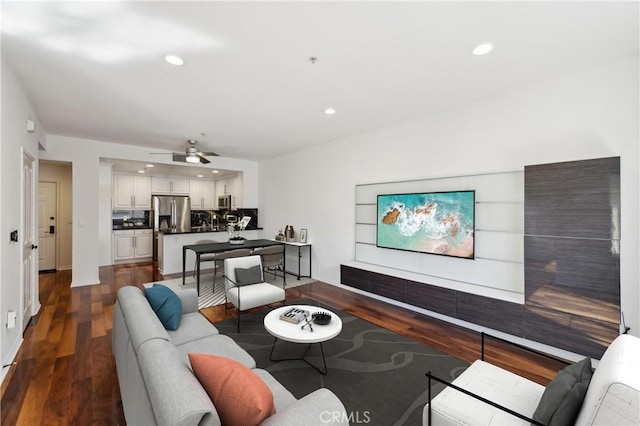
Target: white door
x=28, y=247
x=47, y=225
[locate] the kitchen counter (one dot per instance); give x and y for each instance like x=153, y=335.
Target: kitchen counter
x=198, y=230
x=128, y=228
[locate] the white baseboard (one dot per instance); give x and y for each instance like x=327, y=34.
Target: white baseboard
x=8, y=361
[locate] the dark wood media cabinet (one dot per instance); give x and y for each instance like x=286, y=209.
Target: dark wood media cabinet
x=534, y=323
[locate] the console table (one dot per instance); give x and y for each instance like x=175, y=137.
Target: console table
x=300, y=246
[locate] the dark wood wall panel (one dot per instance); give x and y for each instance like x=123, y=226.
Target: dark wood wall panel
x=573, y=199
x=571, y=332
x=572, y=254
x=493, y=313
x=576, y=276
x=432, y=298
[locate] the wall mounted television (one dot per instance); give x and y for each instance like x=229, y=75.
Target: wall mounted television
x=429, y=222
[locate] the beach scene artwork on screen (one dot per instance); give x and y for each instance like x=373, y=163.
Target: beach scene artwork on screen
x=432, y=222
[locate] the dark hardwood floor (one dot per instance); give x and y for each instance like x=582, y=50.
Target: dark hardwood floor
x=65, y=373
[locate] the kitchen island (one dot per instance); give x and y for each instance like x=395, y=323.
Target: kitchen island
x=170, y=243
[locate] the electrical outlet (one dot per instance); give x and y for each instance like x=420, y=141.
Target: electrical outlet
x=11, y=319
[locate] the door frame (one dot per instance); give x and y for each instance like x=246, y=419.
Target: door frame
x=34, y=302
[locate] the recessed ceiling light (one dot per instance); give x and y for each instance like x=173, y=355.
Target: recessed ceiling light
x=140, y=171
x=149, y=165
x=329, y=111
x=200, y=176
x=174, y=60
x=482, y=49
x=214, y=171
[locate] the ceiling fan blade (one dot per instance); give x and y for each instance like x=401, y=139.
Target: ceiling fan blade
x=180, y=157
x=203, y=160
x=209, y=154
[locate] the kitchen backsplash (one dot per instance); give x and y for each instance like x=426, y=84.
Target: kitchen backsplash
x=123, y=219
x=219, y=218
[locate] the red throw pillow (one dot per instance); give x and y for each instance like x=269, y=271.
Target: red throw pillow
x=239, y=395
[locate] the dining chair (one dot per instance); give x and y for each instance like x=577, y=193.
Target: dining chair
x=219, y=258
x=204, y=257
x=272, y=260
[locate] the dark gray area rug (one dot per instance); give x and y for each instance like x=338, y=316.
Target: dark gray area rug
x=378, y=375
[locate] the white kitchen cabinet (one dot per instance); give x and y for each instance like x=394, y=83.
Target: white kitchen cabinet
x=224, y=186
x=173, y=186
x=131, y=245
x=143, y=243
x=122, y=245
x=231, y=186
x=131, y=192
x=202, y=193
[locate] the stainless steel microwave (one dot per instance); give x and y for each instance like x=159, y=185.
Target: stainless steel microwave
x=224, y=201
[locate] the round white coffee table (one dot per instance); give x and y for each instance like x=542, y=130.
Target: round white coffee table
x=296, y=333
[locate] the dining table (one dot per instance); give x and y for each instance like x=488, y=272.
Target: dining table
x=208, y=248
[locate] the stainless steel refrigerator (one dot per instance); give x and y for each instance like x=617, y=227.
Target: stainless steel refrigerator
x=170, y=213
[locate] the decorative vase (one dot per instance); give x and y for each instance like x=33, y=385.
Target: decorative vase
x=289, y=233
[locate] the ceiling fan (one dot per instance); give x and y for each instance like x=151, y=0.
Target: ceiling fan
x=192, y=154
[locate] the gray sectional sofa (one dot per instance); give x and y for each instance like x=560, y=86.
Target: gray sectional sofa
x=158, y=386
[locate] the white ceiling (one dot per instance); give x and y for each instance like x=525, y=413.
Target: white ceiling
x=96, y=70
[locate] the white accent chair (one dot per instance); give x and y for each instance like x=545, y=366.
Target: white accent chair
x=612, y=398
x=248, y=296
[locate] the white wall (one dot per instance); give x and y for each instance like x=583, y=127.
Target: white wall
x=589, y=115
x=85, y=154
x=105, y=224
x=15, y=140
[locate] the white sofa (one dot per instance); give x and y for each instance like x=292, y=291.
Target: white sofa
x=612, y=397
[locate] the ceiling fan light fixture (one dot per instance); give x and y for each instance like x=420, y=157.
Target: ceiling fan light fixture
x=192, y=158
